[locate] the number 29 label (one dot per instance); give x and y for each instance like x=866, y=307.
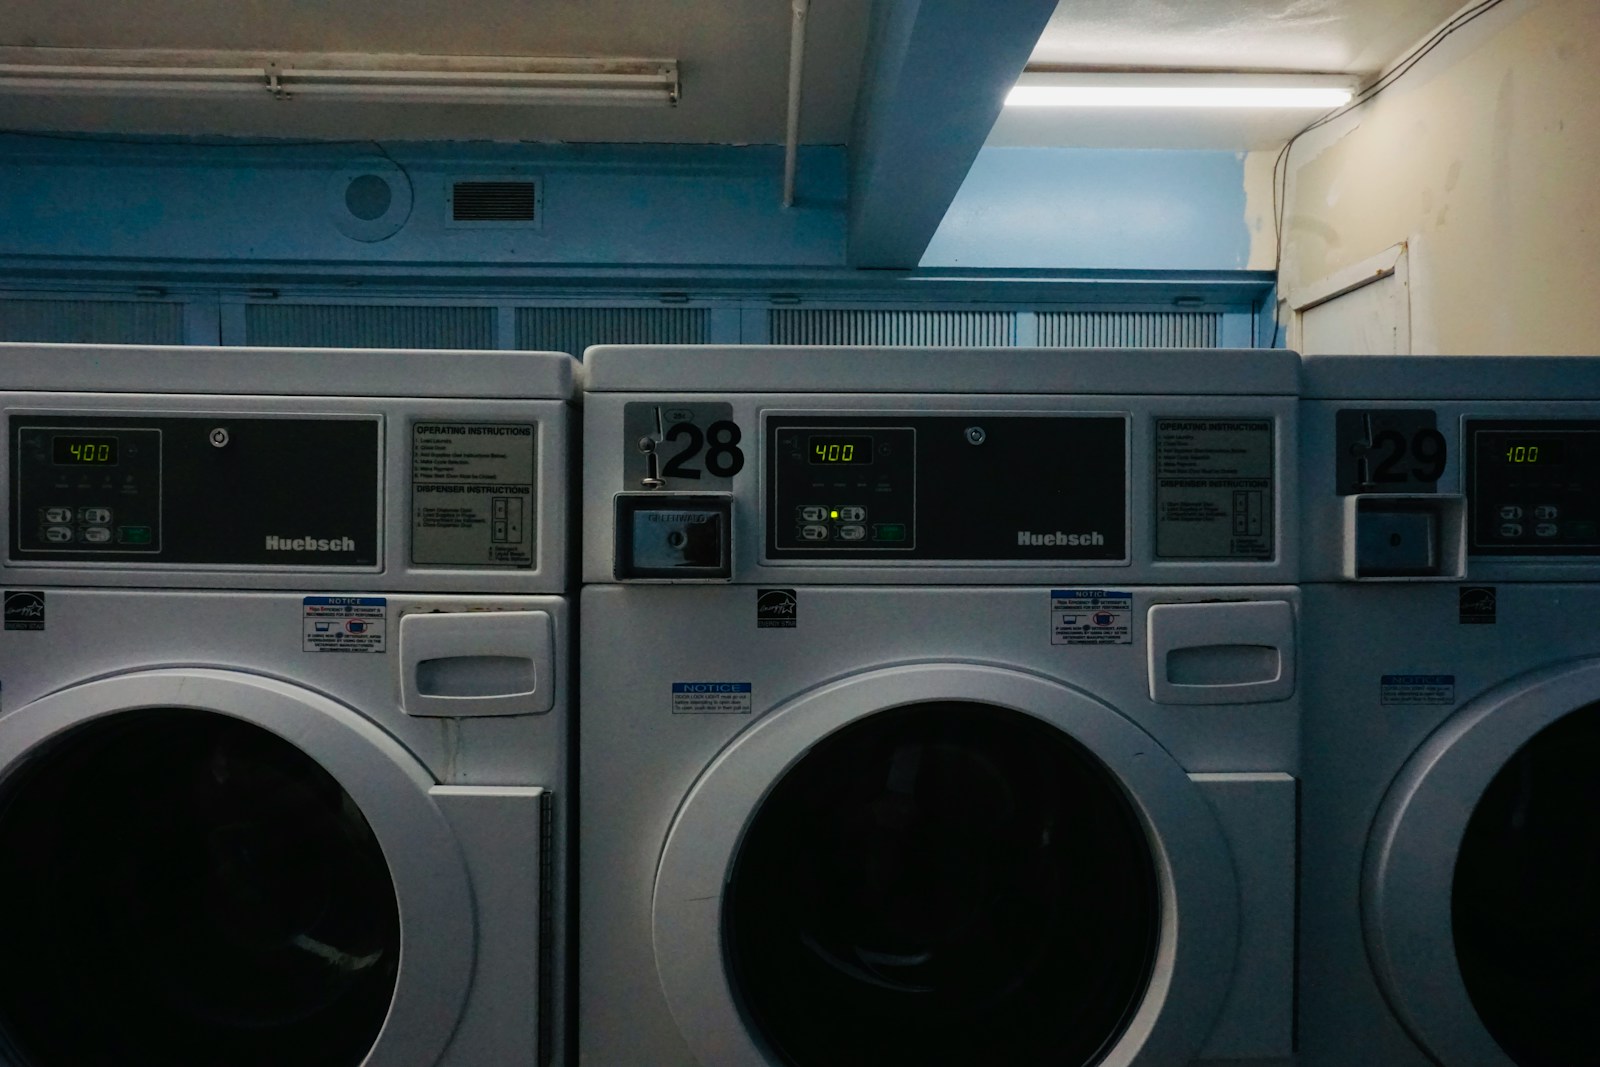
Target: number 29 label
x=681, y=446
x=1389, y=450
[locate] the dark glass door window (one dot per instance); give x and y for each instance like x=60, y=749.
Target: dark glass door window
x=944, y=883
x=1526, y=890
x=181, y=889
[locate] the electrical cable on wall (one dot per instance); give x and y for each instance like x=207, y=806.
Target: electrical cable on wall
x=1280, y=191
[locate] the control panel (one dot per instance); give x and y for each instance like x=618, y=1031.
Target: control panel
x=217, y=490
x=961, y=487
x=1534, y=487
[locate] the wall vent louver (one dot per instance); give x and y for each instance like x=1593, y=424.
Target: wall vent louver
x=890, y=327
x=497, y=202
x=573, y=329
x=121, y=322
x=1130, y=329
x=369, y=326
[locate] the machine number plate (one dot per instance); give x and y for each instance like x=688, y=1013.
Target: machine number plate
x=1386, y=450
x=686, y=446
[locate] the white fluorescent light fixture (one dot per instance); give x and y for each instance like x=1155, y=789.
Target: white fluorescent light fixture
x=367, y=78
x=1187, y=90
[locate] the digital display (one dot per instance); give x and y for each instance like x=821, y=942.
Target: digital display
x=1530, y=451
x=84, y=451
x=838, y=451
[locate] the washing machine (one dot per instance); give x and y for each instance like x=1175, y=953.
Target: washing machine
x=1451, y=847
x=283, y=707
x=939, y=707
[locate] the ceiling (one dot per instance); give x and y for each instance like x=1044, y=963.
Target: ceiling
x=1357, y=37
x=733, y=57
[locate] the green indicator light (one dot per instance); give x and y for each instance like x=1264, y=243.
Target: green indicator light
x=889, y=531
x=133, y=535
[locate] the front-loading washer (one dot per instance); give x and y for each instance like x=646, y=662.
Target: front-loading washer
x=283, y=743
x=939, y=707
x=1451, y=849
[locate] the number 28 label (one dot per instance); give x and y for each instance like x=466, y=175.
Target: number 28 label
x=694, y=445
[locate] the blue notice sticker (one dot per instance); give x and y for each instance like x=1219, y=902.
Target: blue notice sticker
x=1091, y=617
x=343, y=623
x=1416, y=690
x=711, y=698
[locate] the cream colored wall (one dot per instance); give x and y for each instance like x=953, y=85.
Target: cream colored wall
x=1485, y=161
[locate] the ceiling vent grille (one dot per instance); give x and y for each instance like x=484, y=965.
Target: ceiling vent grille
x=573, y=329
x=873, y=326
x=1130, y=329
x=498, y=202
x=368, y=326
x=121, y=322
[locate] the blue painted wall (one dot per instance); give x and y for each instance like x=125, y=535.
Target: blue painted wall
x=1097, y=208
x=70, y=203
x=628, y=205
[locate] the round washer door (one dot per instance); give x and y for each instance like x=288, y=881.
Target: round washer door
x=944, y=864
x=1482, y=874
x=207, y=866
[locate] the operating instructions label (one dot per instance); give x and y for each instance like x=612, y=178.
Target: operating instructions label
x=1091, y=617
x=1214, y=485
x=472, y=493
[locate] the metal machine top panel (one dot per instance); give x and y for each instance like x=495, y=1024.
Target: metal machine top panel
x=986, y=467
x=285, y=372
x=1075, y=372
x=1446, y=378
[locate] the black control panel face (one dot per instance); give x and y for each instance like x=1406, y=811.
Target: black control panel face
x=1534, y=487
x=222, y=490
x=947, y=487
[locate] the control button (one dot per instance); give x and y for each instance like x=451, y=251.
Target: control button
x=58, y=535
x=1510, y=511
x=133, y=535
x=814, y=532
x=57, y=514
x=97, y=535
x=1511, y=529
x=852, y=532
x=850, y=513
x=1547, y=512
x=813, y=513
x=889, y=531
x=94, y=516
x=1546, y=529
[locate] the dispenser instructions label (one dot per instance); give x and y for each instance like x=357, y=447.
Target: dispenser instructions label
x=1214, y=485
x=1090, y=617
x=472, y=500
x=1400, y=690
x=344, y=623
x=711, y=698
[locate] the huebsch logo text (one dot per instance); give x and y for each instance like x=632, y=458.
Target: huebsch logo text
x=1028, y=537
x=310, y=544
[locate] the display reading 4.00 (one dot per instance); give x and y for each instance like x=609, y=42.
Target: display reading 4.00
x=835, y=451
x=84, y=451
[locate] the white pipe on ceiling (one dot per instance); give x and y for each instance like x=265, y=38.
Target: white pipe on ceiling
x=797, y=58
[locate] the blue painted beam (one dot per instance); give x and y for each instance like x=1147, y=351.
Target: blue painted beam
x=934, y=80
